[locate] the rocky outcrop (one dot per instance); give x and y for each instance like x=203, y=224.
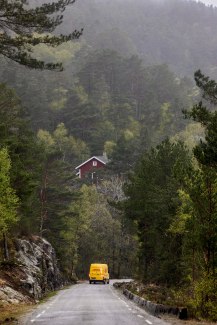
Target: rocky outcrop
x=9, y=295
x=32, y=273
x=153, y=308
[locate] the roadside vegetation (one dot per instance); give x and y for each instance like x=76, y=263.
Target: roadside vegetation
x=11, y=313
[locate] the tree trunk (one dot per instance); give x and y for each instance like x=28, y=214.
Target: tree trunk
x=193, y=264
x=5, y=244
x=119, y=263
x=43, y=202
x=113, y=254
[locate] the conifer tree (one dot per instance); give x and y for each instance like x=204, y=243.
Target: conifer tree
x=152, y=202
x=201, y=189
x=23, y=26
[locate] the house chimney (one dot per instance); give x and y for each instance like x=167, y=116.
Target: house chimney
x=105, y=155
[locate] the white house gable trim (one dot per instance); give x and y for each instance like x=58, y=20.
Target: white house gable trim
x=94, y=157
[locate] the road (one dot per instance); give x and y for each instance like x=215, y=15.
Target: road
x=95, y=304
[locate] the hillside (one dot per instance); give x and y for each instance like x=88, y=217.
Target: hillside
x=127, y=92
x=173, y=32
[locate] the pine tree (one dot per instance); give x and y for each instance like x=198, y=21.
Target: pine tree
x=22, y=27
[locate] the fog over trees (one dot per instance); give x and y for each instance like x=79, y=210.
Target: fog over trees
x=173, y=32
x=208, y=2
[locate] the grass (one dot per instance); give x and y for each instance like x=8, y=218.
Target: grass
x=49, y=295
x=52, y=294
x=175, y=321
x=9, y=314
x=163, y=295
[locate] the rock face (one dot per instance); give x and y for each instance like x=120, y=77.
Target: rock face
x=9, y=295
x=33, y=273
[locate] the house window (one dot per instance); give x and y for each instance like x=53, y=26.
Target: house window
x=94, y=163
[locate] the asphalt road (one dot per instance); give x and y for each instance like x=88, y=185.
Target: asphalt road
x=90, y=304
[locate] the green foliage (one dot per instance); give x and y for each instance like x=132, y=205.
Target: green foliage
x=92, y=231
x=105, y=101
x=197, y=212
x=18, y=23
x=152, y=203
x=104, y=98
x=208, y=87
x=206, y=151
x=204, y=302
x=25, y=155
x=71, y=150
x=8, y=199
x=61, y=219
x=191, y=135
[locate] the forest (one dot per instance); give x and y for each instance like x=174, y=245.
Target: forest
x=134, y=80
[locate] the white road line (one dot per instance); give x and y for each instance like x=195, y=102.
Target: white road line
x=140, y=316
x=148, y=321
x=32, y=320
x=129, y=308
x=43, y=311
x=38, y=315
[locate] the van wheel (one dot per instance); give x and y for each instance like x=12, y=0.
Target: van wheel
x=90, y=281
x=104, y=281
x=108, y=281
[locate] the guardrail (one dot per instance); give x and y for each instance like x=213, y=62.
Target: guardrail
x=153, y=308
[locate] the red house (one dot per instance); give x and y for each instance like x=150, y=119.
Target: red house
x=93, y=163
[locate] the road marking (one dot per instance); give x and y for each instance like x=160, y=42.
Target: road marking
x=32, y=320
x=38, y=315
x=140, y=316
x=148, y=321
x=43, y=311
x=129, y=308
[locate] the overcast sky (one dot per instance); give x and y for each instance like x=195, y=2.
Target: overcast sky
x=209, y=2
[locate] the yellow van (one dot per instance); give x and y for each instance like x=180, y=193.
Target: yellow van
x=98, y=273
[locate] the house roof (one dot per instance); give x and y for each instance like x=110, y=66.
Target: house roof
x=103, y=159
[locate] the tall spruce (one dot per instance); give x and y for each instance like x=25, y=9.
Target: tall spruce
x=152, y=200
x=202, y=193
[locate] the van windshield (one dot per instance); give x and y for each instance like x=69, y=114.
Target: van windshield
x=96, y=270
